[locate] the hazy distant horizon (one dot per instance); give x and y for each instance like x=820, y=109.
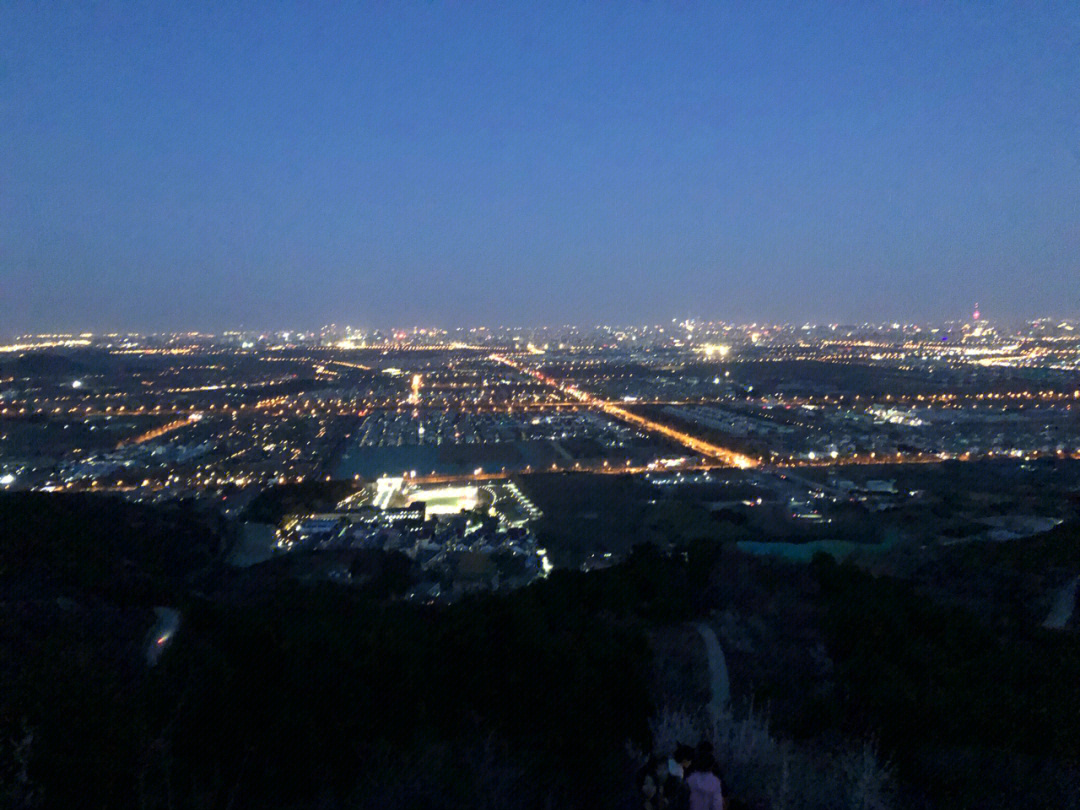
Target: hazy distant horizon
x=673, y=324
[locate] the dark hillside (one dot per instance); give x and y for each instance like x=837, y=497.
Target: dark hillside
x=104, y=546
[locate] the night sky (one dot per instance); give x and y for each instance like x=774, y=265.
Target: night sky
x=173, y=165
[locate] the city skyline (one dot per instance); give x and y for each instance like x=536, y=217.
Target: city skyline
x=684, y=327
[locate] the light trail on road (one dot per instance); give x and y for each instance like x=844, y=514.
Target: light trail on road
x=703, y=448
x=150, y=435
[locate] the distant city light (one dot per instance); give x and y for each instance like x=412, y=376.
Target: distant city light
x=716, y=350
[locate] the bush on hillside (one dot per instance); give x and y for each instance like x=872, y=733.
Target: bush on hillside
x=760, y=769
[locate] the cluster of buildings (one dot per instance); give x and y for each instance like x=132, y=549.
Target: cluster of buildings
x=437, y=427
x=458, y=538
x=221, y=418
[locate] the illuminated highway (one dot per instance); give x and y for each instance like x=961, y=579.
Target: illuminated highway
x=703, y=448
x=150, y=435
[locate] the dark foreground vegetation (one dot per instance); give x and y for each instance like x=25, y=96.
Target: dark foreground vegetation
x=970, y=716
x=299, y=695
x=279, y=693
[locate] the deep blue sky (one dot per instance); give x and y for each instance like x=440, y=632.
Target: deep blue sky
x=174, y=164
